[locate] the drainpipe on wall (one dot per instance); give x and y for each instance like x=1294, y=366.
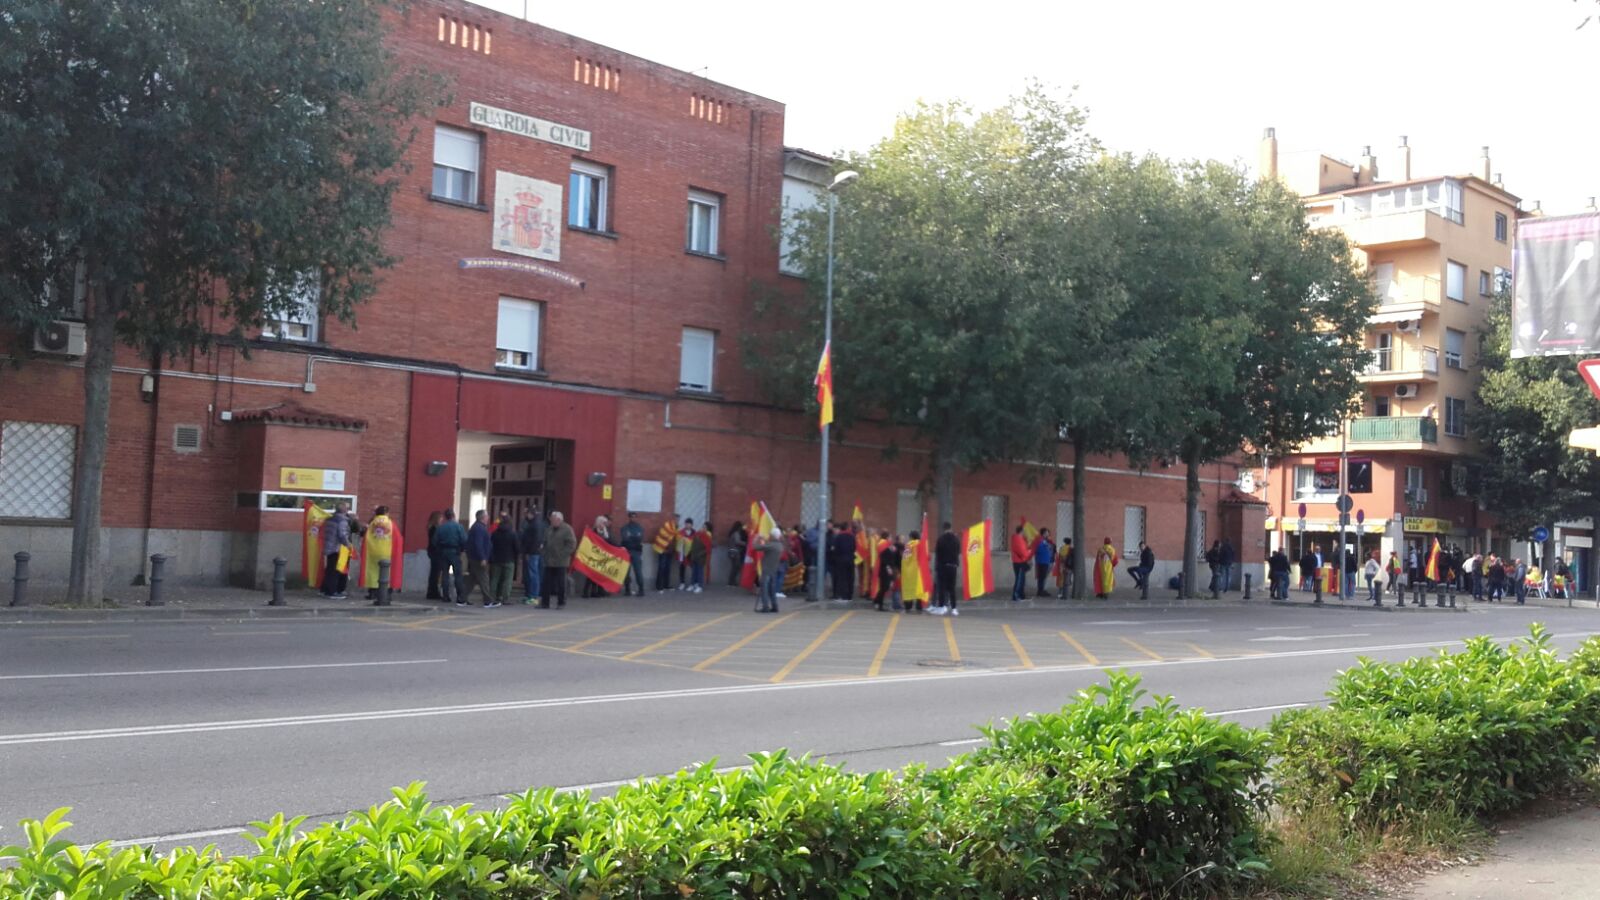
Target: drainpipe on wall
x=154, y=399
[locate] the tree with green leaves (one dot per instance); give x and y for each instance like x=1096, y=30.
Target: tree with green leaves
x=188, y=157
x=957, y=278
x=1261, y=323
x=1524, y=471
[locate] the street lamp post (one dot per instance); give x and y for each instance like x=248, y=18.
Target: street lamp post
x=839, y=181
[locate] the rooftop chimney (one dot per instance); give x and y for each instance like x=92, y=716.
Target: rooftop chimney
x=1592, y=207
x=1498, y=182
x=1367, y=169
x=1405, y=159
x=1483, y=165
x=1267, y=155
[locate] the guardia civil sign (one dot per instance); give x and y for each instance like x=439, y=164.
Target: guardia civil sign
x=528, y=126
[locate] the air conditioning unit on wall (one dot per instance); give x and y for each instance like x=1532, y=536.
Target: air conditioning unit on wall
x=1410, y=326
x=62, y=338
x=1405, y=391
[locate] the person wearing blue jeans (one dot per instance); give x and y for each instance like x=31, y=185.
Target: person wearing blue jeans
x=531, y=537
x=632, y=536
x=1021, y=557
x=1225, y=561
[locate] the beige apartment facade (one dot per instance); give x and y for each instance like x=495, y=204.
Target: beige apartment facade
x=1437, y=248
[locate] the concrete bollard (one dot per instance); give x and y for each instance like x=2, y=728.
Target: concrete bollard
x=1144, y=587
x=19, y=581
x=157, y=563
x=383, y=583
x=280, y=568
x=1452, y=596
x=1181, y=584
x=1248, y=577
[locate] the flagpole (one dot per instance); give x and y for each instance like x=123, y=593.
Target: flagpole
x=839, y=181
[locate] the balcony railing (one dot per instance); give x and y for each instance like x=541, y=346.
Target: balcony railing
x=1405, y=292
x=1401, y=359
x=1394, y=429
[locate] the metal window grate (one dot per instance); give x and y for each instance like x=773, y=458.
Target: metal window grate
x=691, y=497
x=1063, y=520
x=994, y=509
x=907, y=511
x=811, y=502
x=36, y=465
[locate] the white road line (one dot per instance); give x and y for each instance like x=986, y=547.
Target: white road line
x=1309, y=637
x=962, y=743
x=690, y=693
x=286, y=668
x=1148, y=622
x=1284, y=627
x=1256, y=709
x=1182, y=631
x=184, y=836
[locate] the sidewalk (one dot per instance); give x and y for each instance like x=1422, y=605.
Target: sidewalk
x=1534, y=859
x=186, y=601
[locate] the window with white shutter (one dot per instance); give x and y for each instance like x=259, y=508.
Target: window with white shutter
x=699, y=350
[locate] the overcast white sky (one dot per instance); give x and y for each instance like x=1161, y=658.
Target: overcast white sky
x=1182, y=79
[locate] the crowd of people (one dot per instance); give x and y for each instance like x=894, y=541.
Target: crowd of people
x=1488, y=577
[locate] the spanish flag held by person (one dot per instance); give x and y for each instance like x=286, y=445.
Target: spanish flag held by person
x=382, y=541
x=1432, y=570
x=1105, y=570
x=979, y=578
x=761, y=524
x=311, y=561
x=915, y=582
x=824, y=383
x=1030, y=532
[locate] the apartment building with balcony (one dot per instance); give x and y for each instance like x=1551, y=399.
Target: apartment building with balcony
x=1437, y=248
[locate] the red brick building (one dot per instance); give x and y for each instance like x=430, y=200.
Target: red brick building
x=579, y=236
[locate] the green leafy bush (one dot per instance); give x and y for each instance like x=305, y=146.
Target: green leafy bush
x=1115, y=795
x=1475, y=732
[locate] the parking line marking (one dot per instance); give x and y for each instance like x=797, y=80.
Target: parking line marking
x=950, y=638
x=422, y=624
x=1022, y=655
x=471, y=628
x=78, y=637
x=243, y=633
x=1142, y=649
x=1203, y=652
x=816, y=642
x=622, y=630
x=883, y=648
x=733, y=648
x=682, y=634
x=1082, y=650
x=567, y=624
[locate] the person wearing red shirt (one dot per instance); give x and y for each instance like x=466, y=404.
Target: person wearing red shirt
x=1021, y=555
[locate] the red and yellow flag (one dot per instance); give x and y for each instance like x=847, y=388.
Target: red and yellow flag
x=979, y=578
x=915, y=583
x=824, y=383
x=1431, y=571
x=383, y=541
x=862, y=538
x=602, y=562
x=761, y=526
x=1029, y=532
x=311, y=561
x=666, y=535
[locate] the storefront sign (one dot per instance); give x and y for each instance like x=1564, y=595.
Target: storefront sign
x=1326, y=475
x=528, y=126
x=517, y=265
x=1329, y=526
x=527, y=216
x=1421, y=525
x=291, y=478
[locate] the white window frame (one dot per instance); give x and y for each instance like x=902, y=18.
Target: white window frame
x=303, y=324
x=1414, y=479
x=710, y=245
x=1130, y=541
x=518, y=351
x=1455, y=288
x=1502, y=227
x=19, y=498
x=1382, y=406
x=691, y=339
x=1455, y=413
x=997, y=509
x=1485, y=284
x=453, y=162
x=583, y=170
x=1453, y=359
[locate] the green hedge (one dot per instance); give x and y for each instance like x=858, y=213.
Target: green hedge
x=1475, y=732
x=1117, y=794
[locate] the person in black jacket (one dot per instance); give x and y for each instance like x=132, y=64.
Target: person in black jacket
x=842, y=563
x=947, y=562
x=889, y=571
x=503, y=550
x=531, y=537
x=1308, y=569
x=1278, y=574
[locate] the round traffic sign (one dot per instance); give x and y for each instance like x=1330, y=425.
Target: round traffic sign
x=1344, y=503
x=1541, y=534
x=1302, y=510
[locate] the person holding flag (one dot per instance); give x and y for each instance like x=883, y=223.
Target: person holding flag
x=1021, y=555
x=336, y=537
x=915, y=579
x=753, y=573
x=1105, y=570
x=980, y=577
x=382, y=542
x=1432, y=570
x=665, y=544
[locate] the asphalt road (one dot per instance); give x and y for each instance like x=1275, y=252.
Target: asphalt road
x=185, y=731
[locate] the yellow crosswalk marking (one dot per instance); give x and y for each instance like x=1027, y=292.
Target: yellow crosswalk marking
x=1207, y=654
x=950, y=638
x=1022, y=655
x=1082, y=650
x=494, y=621
x=622, y=630
x=811, y=647
x=736, y=646
x=1143, y=649
x=643, y=651
x=557, y=627
x=883, y=648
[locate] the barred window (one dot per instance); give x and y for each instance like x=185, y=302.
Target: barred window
x=36, y=465
x=994, y=509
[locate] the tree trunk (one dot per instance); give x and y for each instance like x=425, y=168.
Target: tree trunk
x=86, y=580
x=1080, y=554
x=1191, y=516
x=944, y=485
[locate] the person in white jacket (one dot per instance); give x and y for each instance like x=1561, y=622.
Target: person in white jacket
x=1371, y=570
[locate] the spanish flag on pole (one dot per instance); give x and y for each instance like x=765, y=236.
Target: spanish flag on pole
x=824, y=383
x=1431, y=570
x=979, y=578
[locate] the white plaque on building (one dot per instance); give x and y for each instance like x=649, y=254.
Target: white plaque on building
x=528, y=126
x=527, y=216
